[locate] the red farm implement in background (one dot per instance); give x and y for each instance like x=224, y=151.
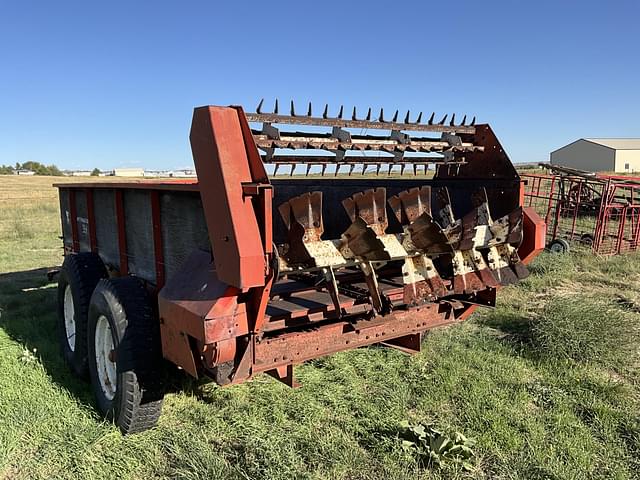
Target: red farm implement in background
x=241, y=272
x=594, y=210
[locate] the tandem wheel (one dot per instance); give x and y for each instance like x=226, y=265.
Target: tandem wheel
x=78, y=277
x=125, y=354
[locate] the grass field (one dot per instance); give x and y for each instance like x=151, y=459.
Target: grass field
x=548, y=384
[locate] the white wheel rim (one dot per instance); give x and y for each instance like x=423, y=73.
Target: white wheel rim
x=69, y=319
x=105, y=360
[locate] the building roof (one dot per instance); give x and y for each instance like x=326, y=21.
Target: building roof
x=617, y=143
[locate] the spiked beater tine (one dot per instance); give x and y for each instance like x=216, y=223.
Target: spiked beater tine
x=285, y=213
x=406, y=117
x=469, y=224
x=275, y=171
x=364, y=237
x=466, y=279
x=487, y=276
x=409, y=205
x=305, y=210
x=309, y=165
x=353, y=115
x=325, y=114
x=430, y=122
x=309, y=113
x=453, y=120
x=293, y=110
x=259, y=107
x=426, y=234
x=303, y=217
x=507, y=276
x=381, y=117
x=444, y=119
x=500, y=261
x=473, y=121
x=464, y=119
x=369, y=114
x=422, y=283
x=341, y=111
x=419, y=119
x=479, y=197
x=370, y=205
x=443, y=210
x=395, y=117
x=324, y=168
x=396, y=207
x=521, y=271
x=275, y=107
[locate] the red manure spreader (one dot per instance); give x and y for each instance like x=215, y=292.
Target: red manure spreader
x=246, y=270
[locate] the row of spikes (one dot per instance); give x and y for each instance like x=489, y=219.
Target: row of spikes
x=325, y=114
x=365, y=168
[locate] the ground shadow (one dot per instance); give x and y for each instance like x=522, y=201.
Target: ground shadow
x=514, y=330
x=28, y=302
x=513, y=327
x=28, y=314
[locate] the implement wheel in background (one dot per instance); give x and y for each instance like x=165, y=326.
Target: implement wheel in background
x=587, y=239
x=79, y=275
x=125, y=355
x=559, y=246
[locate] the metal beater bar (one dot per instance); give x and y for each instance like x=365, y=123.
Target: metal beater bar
x=345, y=123
x=371, y=144
x=365, y=160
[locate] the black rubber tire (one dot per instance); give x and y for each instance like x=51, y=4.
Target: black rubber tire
x=586, y=239
x=135, y=329
x=81, y=272
x=559, y=246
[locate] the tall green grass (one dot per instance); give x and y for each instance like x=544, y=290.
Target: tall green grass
x=585, y=330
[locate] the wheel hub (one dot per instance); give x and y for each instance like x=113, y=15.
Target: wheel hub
x=105, y=358
x=69, y=319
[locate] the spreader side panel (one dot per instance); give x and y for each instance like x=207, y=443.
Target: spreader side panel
x=65, y=217
x=82, y=221
x=139, y=234
x=106, y=227
x=183, y=228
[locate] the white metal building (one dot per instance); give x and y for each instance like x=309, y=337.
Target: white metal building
x=128, y=172
x=600, y=155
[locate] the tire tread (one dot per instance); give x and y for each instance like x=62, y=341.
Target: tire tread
x=139, y=355
x=84, y=270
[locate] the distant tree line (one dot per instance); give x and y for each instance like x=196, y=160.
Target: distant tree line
x=36, y=167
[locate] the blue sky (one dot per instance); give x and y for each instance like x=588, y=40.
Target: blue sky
x=108, y=84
